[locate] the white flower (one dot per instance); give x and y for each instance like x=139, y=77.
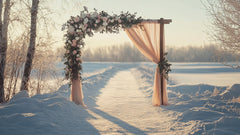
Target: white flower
x=112, y=20
x=76, y=19
x=85, y=21
x=105, y=23
x=83, y=15
x=77, y=38
x=94, y=15
x=80, y=26
x=71, y=29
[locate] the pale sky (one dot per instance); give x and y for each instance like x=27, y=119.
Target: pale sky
x=188, y=27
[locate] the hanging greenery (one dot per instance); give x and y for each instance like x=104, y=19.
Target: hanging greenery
x=164, y=67
x=86, y=24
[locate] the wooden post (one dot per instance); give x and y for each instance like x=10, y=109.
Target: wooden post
x=162, y=22
x=161, y=53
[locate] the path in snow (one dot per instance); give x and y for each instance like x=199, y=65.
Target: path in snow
x=123, y=108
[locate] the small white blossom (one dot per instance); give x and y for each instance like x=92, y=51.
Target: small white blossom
x=83, y=15
x=85, y=21
x=105, y=23
x=71, y=29
x=94, y=15
x=81, y=26
x=77, y=38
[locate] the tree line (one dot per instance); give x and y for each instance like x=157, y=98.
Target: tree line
x=129, y=53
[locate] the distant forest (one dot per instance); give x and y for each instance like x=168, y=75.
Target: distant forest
x=129, y=53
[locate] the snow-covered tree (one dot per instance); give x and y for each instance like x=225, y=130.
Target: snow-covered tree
x=225, y=18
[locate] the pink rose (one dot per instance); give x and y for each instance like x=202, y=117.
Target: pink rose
x=86, y=25
x=74, y=52
x=109, y=21
x=76, y=19
x=95, y=25
x=99, y=16
x=74, y=42
x=78, y=46
x=72, y=22
x=119, y=21
x=104, y=19
x=88, y=29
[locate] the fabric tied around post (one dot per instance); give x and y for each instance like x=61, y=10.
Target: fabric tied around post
x=146, y=37
x=76, y=92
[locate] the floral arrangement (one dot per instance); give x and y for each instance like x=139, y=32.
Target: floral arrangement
x=84, y=25
x=164, y=67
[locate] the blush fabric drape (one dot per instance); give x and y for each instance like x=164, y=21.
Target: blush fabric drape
x=146, y=37
x=76, y=92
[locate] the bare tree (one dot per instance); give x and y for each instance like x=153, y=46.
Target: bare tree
x=15, y=63
x=225, y=17
x=3, y=43
x=31, y=48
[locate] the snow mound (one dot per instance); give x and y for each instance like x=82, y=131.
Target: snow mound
x=19, y=95
x=43, y=114
x=209, y=107
x=230, y=93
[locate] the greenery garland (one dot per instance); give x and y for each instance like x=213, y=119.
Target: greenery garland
x=84, y=25
x=164, y=67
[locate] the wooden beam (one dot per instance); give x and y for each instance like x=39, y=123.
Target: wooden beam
x=165, y=21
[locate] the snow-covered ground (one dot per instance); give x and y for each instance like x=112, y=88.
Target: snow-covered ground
x=204, y=99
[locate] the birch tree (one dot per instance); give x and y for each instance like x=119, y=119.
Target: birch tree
x=31, y=48
x=3, y=43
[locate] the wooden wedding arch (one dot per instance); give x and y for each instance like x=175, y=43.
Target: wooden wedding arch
x=138, y=30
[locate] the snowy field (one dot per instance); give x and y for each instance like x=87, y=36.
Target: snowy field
x=204, y=98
